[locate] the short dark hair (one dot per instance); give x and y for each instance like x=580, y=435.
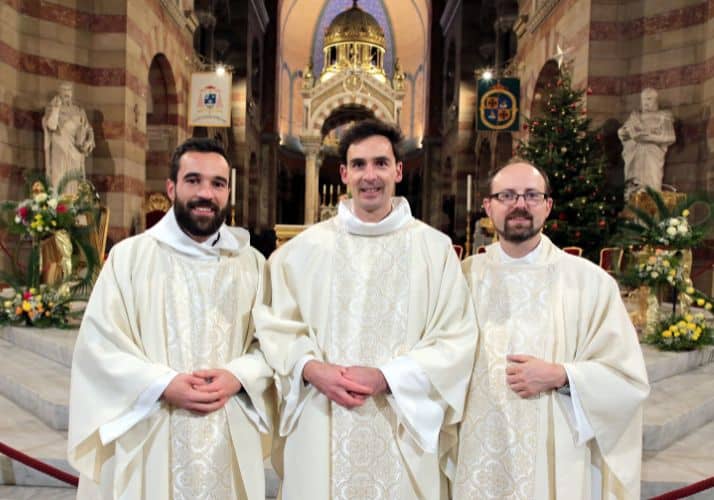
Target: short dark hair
x=367, y=128
x=199, y=144
x=513, y=161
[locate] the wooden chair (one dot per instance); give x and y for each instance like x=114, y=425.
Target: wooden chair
x=573, y=251
x=156, y=204
x=459, y=251
x=611, y=259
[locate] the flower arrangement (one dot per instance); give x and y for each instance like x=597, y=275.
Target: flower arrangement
x=666, y=227
x=49, y=219
x=43, y=214
x=661, y=267
x=43, y=307
x=683, y=332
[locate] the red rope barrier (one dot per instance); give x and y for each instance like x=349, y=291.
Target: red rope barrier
x=37, y=465
x=687, y=490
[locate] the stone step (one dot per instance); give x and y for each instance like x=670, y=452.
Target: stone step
x=677, y=406
x=662, y=364
x=35, y=383
x=51, y=343
x=36, y=493
x=684, y=462
x=25, y=432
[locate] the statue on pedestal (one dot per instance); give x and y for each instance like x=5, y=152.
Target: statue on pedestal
x=68, y=136
x=645, y=137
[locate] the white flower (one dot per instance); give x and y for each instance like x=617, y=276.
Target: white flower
x=17, y=219
x=683, y=229
x=673, y=221
x=671, y=231
x=52, y=203
x=654, y=274
x=40, y=197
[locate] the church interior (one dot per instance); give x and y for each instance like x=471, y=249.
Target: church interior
x=297, y=74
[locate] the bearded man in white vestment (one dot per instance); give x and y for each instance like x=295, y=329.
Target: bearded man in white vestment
x=169, y=392
x=371, y=335
x=554, y=409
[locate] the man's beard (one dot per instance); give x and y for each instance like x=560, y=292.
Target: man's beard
x=196, y=225
x=519, y=233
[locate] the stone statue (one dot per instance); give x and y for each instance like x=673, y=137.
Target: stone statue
x=69, y=137
x=645, y=137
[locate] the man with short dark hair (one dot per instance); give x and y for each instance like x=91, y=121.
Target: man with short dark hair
x=371, y=335
x=554, y=409
x=169, y=392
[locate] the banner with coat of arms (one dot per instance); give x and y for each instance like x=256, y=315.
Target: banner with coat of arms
x=498, y=102
x=209, y=102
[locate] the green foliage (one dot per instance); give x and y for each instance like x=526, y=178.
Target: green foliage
x=669, y=228
x=562, y=144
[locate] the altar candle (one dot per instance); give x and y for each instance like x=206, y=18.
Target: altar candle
x=233, y=187
x=468, y=193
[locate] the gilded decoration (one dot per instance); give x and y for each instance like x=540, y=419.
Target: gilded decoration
x=355, y=25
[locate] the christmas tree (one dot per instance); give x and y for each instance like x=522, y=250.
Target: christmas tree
x=561, y=143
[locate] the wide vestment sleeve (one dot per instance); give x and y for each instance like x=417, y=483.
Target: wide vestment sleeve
x=110, y=367
x=287, y=337
x=609, y=372
x=446, y=348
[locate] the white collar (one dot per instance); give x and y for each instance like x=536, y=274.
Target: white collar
x=528, y=258
x=225, y=240
x=400, y=215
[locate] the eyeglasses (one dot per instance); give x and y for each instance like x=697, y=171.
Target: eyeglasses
x=511, y=197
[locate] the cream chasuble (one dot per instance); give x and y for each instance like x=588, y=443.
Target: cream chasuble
x=386, y=295
x=156, y=311
x=562, y=309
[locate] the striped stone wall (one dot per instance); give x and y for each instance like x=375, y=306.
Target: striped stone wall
x=105, y=49
x=618, y=48
x=668, y=46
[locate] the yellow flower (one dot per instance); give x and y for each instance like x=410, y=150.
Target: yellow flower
x=695, y=337
x=33, y=291
x=690, y=290
x=688, y=317
x=691, y=326
x=681, y=323
x=677, y=333
x=700, y=302
x=708, y=306
x=698, y=330
x=666, y=334
x=685, y=213
x=38, y=297
x=665, y=263
x=26, y=306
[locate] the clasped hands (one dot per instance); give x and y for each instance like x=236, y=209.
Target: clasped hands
x=528, y=376
x=348, y=386
x=203, y=391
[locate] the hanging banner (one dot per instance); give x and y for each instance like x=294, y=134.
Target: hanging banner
x=498, y=102
x=209, y=103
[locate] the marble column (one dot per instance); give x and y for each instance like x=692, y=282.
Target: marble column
x=312, y=177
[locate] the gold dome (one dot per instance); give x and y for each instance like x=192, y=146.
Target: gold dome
x=355, y=25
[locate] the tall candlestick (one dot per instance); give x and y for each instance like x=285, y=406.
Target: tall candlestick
x=468, y=193
x=233, y=187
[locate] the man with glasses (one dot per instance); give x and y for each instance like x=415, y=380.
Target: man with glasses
x=554, y=409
